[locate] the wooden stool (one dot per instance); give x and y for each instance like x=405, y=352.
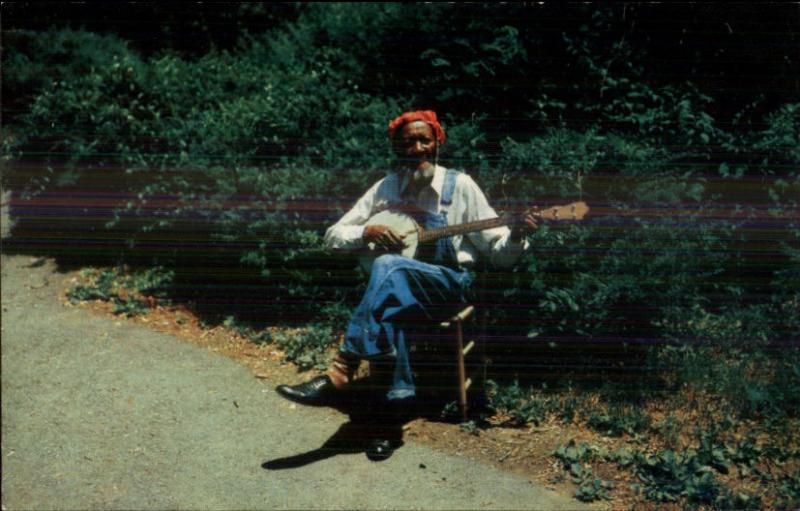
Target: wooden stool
x=450, y=343
x=463, y=349
x=445, y=347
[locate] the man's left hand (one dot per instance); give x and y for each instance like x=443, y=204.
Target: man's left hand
x=528, y=225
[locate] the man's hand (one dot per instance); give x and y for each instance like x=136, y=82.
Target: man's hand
x=528, y=224
x=384, y=237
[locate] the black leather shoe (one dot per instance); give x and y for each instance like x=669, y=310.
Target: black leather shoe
x=316, y=392
x=380, y=449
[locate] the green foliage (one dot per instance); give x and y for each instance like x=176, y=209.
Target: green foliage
x=307, y=348
x=469, y=427
x=250, y=150
x=590, y=488
x=124, y=289
x=155, y=281
x=34, y=60
x=232, y=323
x=667, y=475
x=750, y=384
x=523, y=405
x=100, y=287
x=130, y=306
x=571, y=453
x=533, y=405
x=618, y=420
x=789, y=490
x=574, y=459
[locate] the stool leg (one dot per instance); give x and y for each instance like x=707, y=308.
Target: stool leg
x=462, y=376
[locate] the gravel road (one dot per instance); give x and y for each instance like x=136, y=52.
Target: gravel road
x=99, y=413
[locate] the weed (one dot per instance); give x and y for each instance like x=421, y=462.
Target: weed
x=100, y=287
x=130, y=306
x=712, y=450
x=151, y=281
x=80, y=293
x=106, y=286
x=590, y=488
x=449, y=410
x=232, y=323
x=745, y=455
x=572, y=454
x=739, y=500
x=667, y=475
x=618, y=420
x=789, y=491
x=669, y=430
x=623, y=457
x=469, y=427
x=262, y=337
x=574, y=458
x=335, y=313
x=532, y=411
x=526, y=406
x=105, y=281
x=307, y=348
x=567, y=408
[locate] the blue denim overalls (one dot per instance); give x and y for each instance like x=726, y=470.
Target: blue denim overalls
x=403, y=293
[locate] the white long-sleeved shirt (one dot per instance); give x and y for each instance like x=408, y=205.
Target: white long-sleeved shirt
x=469, y=204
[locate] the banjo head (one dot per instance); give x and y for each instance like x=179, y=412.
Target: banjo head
x=401, y=223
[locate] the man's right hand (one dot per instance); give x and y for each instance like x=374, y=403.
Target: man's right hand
x=384, y=237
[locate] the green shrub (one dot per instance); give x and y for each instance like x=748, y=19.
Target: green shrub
x=108, y=286
x=246, y=154
x=307, y=348
x=789, y=491
x=618, y=420
x=100, y=287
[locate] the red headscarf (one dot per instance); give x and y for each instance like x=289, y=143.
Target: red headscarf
x=428, y=116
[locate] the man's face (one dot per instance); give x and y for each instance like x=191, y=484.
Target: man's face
x=415, y=146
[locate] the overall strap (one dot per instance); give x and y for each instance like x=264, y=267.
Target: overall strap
x=449, y=187
x=392, y=184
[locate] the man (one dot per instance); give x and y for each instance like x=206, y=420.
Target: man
x=404, y=292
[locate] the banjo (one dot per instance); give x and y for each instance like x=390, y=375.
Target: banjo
x=414, y=235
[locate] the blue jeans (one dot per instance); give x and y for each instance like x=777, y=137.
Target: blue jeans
x=402, y=293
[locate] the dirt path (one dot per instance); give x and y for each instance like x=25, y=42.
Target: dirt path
x=103, y=413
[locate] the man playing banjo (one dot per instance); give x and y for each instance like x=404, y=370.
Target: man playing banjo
x=404, y=291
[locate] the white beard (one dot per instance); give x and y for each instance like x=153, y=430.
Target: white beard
x=423, y=175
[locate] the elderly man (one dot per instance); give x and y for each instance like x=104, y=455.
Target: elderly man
x=404, y=292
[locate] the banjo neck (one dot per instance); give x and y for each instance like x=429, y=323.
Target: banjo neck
x=427, y=236
x=570, y=212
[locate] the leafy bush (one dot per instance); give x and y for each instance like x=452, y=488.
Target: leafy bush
x=240, y=157
x=522, y=405
x=99, y=289
x=126, y=290
x=790, y=491
x=307, y=348
x=619, y=420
